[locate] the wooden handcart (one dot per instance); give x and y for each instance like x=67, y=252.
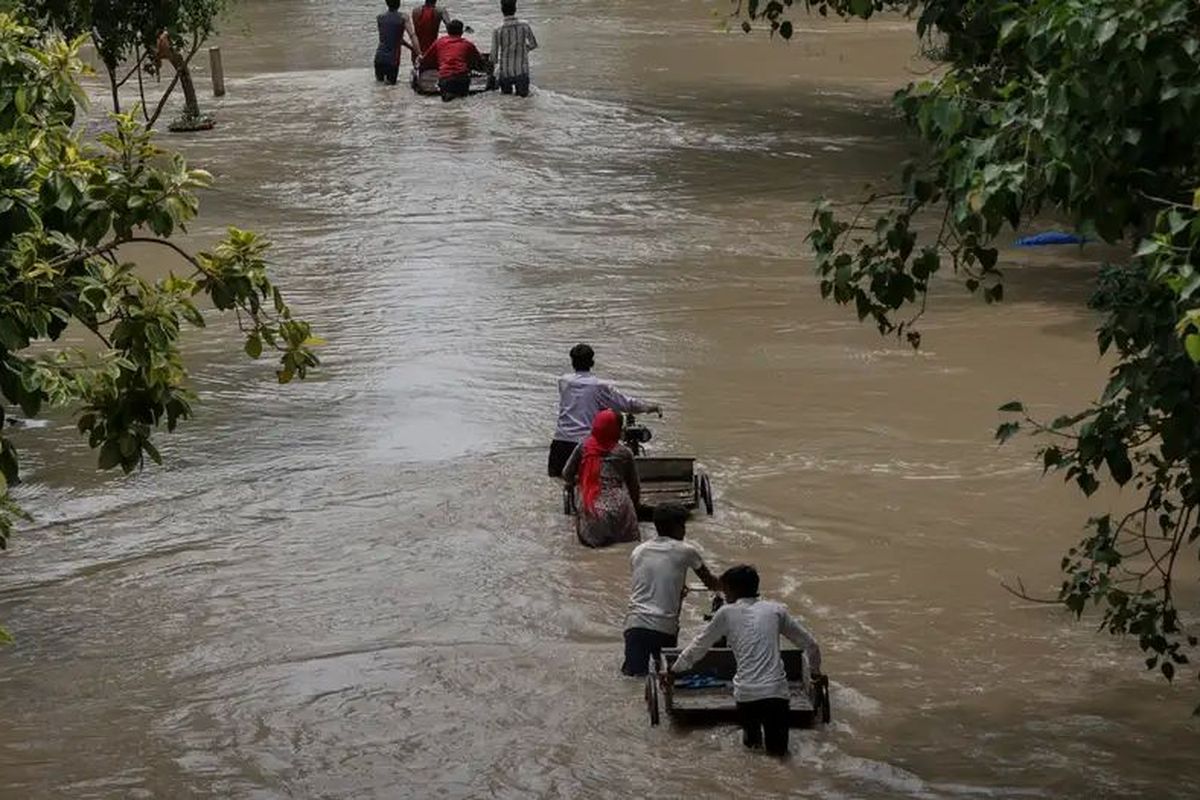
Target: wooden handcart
x=703, y=695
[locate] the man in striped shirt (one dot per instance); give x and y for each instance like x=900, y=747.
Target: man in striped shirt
x=511, y=43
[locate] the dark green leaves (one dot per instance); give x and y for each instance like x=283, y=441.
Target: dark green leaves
x=68, y=212
x=1006, y=431
x=1088, y=110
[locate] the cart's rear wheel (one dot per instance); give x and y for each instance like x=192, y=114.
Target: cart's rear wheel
x=820, y=691
x=706, y=493
x=652, y=698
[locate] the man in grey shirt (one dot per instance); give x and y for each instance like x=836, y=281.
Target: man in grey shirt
x=581, y=396
x=660, y=568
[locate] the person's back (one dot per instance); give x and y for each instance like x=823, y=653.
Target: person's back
x=752, y=628
x=581, y=396
x=454, y=56
x=659, y=573
x=427, y=23
x=660, y=568
x=511, y=45
x=392, y=25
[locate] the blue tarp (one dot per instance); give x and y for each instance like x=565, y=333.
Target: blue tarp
x=1050, y=237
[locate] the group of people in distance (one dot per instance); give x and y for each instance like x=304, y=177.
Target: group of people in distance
x=588, y=454
x=452, y=55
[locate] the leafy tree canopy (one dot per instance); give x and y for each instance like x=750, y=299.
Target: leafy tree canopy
x=129, y=38
x=68, y=210
x=1086, y=110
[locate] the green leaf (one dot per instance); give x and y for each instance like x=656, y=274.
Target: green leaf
x=254, y=346
x=1146, y=248
x=1191, y=343
x=110, y=454
x=1119, y=465
x=1006, y=431
x=1013, y=406
x=1106, y=31
x=5, y=636
x=1052, y=457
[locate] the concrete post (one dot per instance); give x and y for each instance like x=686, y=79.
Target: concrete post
x=218, y=71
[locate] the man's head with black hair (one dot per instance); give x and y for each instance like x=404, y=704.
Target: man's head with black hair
x=454, y=27
x=739, y=582
x=583, y=357
x=670, y=520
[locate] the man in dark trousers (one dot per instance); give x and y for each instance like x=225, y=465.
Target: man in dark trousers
x=395, y=33
x=660, y=568
x=760, y=686
x=454, y=57
x=581, y=396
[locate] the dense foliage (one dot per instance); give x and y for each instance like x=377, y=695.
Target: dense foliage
x=134, y=37
x=68, y=209
x=1085, y=109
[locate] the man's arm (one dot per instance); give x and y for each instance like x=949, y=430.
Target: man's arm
x=798, y=635
x=712, y=633
x=707, y=578
x=408, y=38
x=611, y=397
x=530, y=40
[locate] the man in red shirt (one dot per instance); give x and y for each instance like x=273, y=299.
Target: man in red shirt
x=454, y=57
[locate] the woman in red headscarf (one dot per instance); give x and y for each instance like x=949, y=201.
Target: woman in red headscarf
x=607, y=491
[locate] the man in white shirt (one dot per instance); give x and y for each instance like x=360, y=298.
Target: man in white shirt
x=581, y=396
x=660, y=569
x=760, y=686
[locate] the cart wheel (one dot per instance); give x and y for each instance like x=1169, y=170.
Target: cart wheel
x=821, y=703
x=706, y=494
x=652, y=698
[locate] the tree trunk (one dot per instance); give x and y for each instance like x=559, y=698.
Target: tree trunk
x=116, y=89
x=191, y=104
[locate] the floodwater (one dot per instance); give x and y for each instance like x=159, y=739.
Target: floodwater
x=361, y=587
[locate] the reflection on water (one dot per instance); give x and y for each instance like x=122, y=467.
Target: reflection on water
x=360, y=586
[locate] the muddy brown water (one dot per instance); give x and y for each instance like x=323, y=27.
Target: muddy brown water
x=361, y=586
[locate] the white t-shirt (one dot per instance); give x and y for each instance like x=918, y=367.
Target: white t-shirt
x=753, y=628
x=659, y=572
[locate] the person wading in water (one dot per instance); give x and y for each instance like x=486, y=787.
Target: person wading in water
x=454, y=58
x=427, y=22
x=607, y=489
x=581, y=396
x=395, y=33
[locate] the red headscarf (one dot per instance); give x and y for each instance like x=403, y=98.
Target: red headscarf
x=606, y=432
